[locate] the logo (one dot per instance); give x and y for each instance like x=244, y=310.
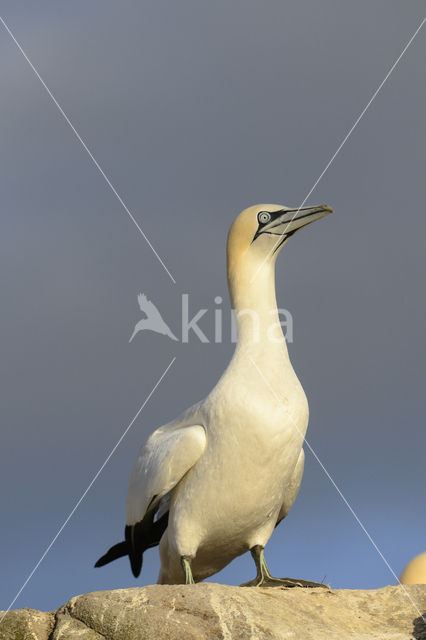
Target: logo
x=153, y=321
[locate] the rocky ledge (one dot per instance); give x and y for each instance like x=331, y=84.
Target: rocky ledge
x=216, y=612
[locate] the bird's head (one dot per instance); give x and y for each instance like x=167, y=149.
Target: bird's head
x=259, y=232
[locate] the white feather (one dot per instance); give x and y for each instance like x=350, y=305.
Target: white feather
x=162, y=462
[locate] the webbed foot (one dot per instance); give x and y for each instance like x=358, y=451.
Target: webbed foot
x=264, y=578
x=269, y=581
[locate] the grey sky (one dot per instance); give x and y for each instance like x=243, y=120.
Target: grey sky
x=196, y=110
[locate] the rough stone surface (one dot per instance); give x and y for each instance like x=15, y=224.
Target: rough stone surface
x=219, y=612
x=26, y=624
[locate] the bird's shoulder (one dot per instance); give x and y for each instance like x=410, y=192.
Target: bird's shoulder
x=163, y=460
x=186, y=428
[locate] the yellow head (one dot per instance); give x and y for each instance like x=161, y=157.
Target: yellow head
x=259, y=232
x=415, y=571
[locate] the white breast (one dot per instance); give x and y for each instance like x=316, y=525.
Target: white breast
x=254, y=440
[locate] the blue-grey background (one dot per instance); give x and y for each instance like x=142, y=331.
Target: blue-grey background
x=196, y=110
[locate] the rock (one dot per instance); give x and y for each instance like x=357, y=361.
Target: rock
x=218, y=612
x=26, y=624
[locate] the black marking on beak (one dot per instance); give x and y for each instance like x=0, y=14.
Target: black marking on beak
x=285, y=236
x=277, y=218
x=274, y=215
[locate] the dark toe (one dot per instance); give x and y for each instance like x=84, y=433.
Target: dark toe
x=252, y=583
x=292, y=582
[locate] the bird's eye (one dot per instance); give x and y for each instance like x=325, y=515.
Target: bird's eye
x=263, y=217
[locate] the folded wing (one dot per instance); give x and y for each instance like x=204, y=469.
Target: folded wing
x=167, y=456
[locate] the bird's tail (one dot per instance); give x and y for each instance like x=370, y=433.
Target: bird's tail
x=139, y=537
x=117, y=551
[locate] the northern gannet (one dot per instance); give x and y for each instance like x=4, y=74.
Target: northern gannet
x=215, y=482
x=415, y=571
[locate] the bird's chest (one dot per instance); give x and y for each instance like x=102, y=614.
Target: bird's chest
x=259, y=434
x=265, y=443
x=253, y=444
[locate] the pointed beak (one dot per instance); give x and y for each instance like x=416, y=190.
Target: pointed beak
x=288, y=221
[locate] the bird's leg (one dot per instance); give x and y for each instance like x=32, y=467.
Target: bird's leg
x=265, y=579
x=186, y=566
x=258, y=556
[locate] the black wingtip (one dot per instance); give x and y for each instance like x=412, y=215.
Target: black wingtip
x=101, y=562
x=117, y=551
x=138, y=538
x=133, y=535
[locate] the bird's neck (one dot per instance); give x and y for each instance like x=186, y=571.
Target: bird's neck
x=252, y=290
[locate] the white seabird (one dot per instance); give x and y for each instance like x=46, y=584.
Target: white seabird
x=415, y=571
x=215, y=482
